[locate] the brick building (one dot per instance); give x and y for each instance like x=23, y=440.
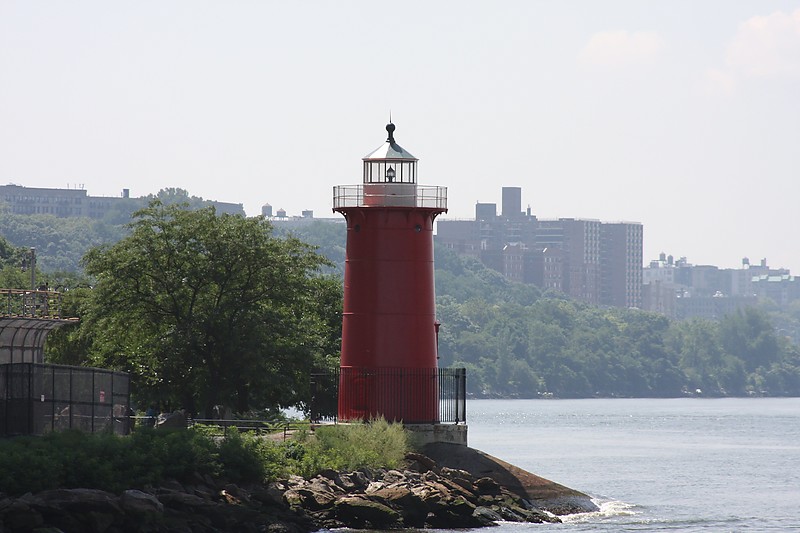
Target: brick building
x=589, y=260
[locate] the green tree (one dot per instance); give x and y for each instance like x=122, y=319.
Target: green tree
x=12, y=275
x=60, y=242
x=749, y=335
x=329, y=238
x=71, y=344
x=8, y=252
x=205, y=309
x=696, y=343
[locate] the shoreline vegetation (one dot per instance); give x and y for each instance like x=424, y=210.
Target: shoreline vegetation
x=355, y=476
x=515, y=340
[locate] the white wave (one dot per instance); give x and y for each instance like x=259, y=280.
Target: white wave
x=606, y=509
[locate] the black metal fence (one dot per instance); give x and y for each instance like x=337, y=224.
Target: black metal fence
x=436, y=395
x=30, y=304
x=221, y=426
x=39, y=398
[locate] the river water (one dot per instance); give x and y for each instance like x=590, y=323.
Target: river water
x=685, y=464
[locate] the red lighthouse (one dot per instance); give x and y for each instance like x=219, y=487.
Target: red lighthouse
x=389, y=328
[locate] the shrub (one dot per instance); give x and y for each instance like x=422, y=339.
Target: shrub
x=72, y=459
x=23, y=466
x=352, y=446
x=244, y=457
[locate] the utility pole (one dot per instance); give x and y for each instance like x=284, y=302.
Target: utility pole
x=33, y=268
x=30, y=262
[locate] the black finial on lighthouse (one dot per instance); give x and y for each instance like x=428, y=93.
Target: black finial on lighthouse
x=390, y=130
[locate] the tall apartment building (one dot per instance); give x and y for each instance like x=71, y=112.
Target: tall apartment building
x=512, y=203
x=579, y=241
x=621, y=264
x=588, y=260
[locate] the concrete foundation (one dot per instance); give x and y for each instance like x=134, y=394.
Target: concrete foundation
x=423, y=434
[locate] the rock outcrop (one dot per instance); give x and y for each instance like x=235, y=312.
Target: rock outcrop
x=201, y=507
x=542, y=493
x=424, y=494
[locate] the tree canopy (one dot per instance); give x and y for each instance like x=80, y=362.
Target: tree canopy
x=517, y=342
x=11, y=275
x=61, y=242
x=514, y=339
x=205, y=309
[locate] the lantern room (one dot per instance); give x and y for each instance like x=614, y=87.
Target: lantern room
x=390, y=163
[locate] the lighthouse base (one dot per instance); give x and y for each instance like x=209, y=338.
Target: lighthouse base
x=423, y=434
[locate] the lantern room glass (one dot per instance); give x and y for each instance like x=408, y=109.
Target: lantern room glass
x=380, y=171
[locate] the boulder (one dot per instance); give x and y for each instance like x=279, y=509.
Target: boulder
x=99, y=522
x=234, y=494
x=486, y=515
x=466, y=490
x=418, y=462
x=292, y=498
x=138, y=502
x=271, y=494
x=182, y=501
x=176, y=420
x=323, y=484
x=448, y=518
x=428, y=496
x=80, y=501
x=316, y=500
x=20, y=517
x=395, y=495
x=455, y=473
x=393, y=476
x=360, y=512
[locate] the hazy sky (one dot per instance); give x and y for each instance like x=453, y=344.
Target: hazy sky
x=681, y=115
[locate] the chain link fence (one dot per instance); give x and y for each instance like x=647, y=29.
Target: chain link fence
x=37, y=398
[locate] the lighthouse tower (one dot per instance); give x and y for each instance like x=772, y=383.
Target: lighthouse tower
x=389, y=328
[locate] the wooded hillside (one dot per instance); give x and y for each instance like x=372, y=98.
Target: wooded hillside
x=515, y=340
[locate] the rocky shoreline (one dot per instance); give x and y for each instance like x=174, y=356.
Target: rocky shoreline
x=424, y=494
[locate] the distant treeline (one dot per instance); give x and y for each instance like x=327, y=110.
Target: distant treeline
x=517, y=341
x=61, y=242
x=552, y=346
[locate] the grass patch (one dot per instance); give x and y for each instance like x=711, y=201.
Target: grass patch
x=352, y=446
x=148, y=457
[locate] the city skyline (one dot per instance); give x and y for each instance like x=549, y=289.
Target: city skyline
x=681, y=116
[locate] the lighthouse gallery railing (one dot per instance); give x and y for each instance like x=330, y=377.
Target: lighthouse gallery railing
x=424, y=196
x=450, y=383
